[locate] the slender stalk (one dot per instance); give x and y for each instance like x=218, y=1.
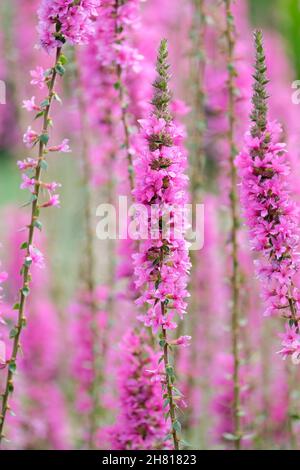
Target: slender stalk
x=169, y=387
x=235, y=279
x=198, y=124
x=122, y=98
x=197, y=153
x=168, y=367
x=26, y=273
x=89, y=269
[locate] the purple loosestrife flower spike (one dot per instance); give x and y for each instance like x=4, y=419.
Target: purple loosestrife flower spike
x=162, y=265
x=271, y=215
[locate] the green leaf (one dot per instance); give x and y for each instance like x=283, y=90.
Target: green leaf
x=170, y=371
x=117, y=85
x=166, y=402
x=28, y=262
x=25, y=291
x=44, y=138
x=60, y=69
x=38, y=224
x=63, y=59
x=13, y=333
x=10, y=387
x=12, y=367
x=38, y=115
x=177, y=426
x=44, y=165
x=44, y=104
x=24, y=246
x=16, y=307
x=57, y=97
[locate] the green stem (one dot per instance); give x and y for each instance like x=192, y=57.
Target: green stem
x=169, y=388
x=230, y=40
x=21, y=321
x=123, y=104
x=89, y=270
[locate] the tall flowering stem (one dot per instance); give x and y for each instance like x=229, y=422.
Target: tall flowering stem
x=235, y=276
x=270, y=213
x=197, y=73
x=162, y=265
x=119, y=39
x=89, y=300
x=42, y=140
x=59, y=22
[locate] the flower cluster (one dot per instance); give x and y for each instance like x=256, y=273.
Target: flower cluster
x=291, y=343
x=116, y=18
x=162, y=265
x=63, y=21
x=140, y=425
x=270, y=213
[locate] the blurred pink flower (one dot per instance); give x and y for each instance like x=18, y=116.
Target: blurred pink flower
x=30, y=105
x=63, y=147
x=38, y=77
x=30, y=137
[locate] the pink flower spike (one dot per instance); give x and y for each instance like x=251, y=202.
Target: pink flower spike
x=38, y=77
x=36, y=256
x=28, y=183
x=30, y=105
x=63, y=147
x=30, y=137
x=53, y=201
x=2, y=355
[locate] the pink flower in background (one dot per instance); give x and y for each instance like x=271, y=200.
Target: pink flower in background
x=52, y=186
x=63, y=147
x=30, y=137
x=52, y=202
x=182, y=341
x=128, y=57
x=290, y=343
x=36, y=256
x=3, y=277
x=38, y=77
x=30, y=105
x=2, y=354
x=28, y=183
x=140, y=424
x=179, y=107
x=27, y=164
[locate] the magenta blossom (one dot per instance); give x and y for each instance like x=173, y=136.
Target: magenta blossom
x=52, y=202
x=36, y=257
x=30, y=105
x=38, y=77
x=63, y=147
x=28, y=183
x=66, y=20
x=30, y=137
x=27, y=164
